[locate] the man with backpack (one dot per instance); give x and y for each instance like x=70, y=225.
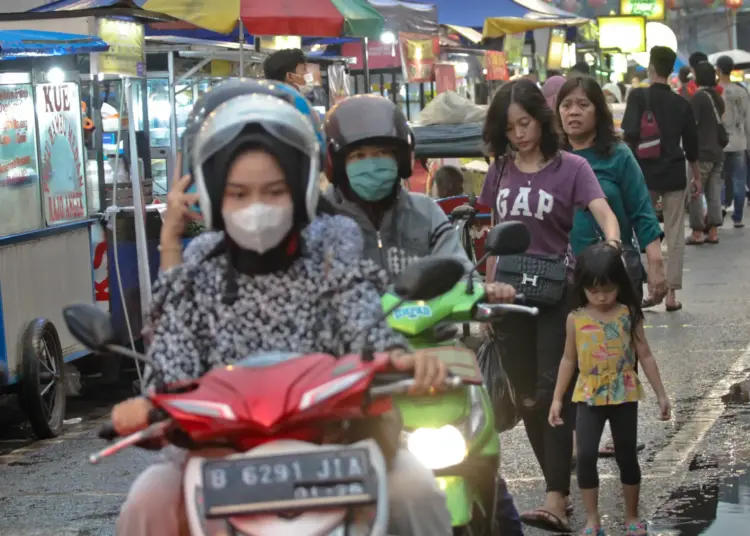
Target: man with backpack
x=660, y=127
x=737, y=123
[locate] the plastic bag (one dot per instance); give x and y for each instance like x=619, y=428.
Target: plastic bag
x=450, y=108
x=498, y=384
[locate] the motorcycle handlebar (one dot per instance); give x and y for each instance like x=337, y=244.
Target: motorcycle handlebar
x=487, y=311
x=107, y=430
x=402, y=386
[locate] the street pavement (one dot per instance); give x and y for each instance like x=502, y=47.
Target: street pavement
x=693, y=466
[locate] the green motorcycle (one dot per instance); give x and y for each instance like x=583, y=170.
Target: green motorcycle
x=454, y=434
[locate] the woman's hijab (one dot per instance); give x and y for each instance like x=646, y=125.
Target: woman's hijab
x=551, y=88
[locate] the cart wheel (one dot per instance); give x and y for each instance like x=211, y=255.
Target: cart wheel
x=42, y=386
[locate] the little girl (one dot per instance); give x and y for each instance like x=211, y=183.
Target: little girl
x=605, y=338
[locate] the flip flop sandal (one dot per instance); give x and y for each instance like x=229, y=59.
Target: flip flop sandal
x=690, y=241
x=648, y=302
x=636, y=529
x=596, y=531
x=608, y=451
x=545, y=520
x=712, y=240
x=672, y=308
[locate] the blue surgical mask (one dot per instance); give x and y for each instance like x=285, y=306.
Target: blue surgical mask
x=373, y=179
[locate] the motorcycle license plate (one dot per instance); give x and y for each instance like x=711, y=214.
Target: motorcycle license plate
x=317, y=479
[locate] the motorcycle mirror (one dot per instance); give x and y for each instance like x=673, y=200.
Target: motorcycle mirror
x=93, y=327
x=90, y=325
x=428, y=278
x=508, y=238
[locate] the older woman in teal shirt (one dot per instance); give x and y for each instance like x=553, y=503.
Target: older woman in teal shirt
x=589, y=131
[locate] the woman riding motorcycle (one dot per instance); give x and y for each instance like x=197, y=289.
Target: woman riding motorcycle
x=273, y=275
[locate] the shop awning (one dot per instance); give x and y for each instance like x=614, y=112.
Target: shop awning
x=498, y=17
x=34, y=43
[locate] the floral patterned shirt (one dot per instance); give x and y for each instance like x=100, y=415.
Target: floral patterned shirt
x=606, y=360
x=325, y=302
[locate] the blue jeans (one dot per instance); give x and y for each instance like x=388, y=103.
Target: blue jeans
x=508, y=522
x=735, y=177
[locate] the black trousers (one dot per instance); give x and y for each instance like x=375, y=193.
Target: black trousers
x=532, y=348
x=623, y=421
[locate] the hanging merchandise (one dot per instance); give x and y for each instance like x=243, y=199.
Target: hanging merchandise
x=445, y=77
x=733, y=4
x=418, y=55
x=339, y=83
x=496, y=65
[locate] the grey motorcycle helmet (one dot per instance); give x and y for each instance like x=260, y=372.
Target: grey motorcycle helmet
x=367, y=120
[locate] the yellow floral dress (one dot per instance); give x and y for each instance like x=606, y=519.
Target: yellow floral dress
x=606, y=360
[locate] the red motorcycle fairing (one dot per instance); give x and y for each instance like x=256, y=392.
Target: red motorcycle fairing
x=251, y=402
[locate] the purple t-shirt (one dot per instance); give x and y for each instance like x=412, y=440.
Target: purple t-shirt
x=545, y=201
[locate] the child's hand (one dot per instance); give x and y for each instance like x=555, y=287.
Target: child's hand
x=554, y=413
x=666, y=408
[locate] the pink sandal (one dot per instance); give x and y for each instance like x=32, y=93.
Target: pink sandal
x=636, y=529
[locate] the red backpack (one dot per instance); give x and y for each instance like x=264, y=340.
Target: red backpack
x=649, y=141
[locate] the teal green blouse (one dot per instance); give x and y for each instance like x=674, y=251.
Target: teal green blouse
x=622, y=180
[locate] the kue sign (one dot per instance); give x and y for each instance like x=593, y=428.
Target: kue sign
x=58, y=109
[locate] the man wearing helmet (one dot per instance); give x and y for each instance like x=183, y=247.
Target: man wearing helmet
x=370, y=148
x=272, y=275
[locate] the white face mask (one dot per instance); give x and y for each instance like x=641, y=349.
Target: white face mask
x=259, y=227
x=309, y=84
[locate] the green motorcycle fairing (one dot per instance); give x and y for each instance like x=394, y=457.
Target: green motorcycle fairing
x=413, y=318
x=417, y=321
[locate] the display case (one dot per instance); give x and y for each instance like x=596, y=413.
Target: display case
x=159, y=112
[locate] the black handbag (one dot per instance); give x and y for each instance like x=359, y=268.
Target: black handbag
x=721, y=130
x=541, y=279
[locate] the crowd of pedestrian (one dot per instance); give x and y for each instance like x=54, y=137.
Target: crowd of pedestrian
x=588, y=191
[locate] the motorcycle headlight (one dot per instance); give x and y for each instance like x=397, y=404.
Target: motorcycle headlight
x=437, y=448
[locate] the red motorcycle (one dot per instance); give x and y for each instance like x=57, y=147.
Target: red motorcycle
x=275, y=414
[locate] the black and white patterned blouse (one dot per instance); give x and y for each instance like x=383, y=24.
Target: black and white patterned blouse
x=320, y=304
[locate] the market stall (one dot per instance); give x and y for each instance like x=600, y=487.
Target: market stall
x=45, y=253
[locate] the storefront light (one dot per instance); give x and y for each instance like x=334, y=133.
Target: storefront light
x=387, y=38
x=657, y=34
x=55, y=75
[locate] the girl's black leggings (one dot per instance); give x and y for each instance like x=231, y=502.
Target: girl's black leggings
x=532, y=348
x=623, y=421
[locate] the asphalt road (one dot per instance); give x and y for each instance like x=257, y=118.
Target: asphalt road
x=693, y=466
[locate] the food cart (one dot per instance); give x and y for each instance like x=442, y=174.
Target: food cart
x=45, y=253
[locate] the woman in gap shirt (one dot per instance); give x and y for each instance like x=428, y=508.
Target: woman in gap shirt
x=543, y=187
